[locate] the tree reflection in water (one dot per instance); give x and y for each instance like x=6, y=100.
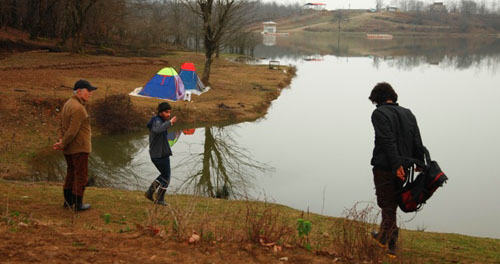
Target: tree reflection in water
x=110, y=163
x=222, y=170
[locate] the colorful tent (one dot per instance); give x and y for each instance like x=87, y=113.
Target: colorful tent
x=166, y=84
x=172, y=137
x=192, y=82
x=188, y=131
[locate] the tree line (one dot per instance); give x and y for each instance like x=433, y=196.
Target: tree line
x=140, y=22
x=197, y=24
x=466, y=7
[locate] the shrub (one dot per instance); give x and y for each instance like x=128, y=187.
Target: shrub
x=116, y=113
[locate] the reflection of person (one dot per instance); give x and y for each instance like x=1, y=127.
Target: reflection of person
x=396, y=136
x=160, y=151
x=76, y=145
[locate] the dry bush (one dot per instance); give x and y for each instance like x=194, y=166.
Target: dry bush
x=266, y=224
x=352, y=240
x=117, y=114
x=171, y=221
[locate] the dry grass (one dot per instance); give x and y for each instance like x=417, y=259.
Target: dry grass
x=38, y=84
x=219, y=223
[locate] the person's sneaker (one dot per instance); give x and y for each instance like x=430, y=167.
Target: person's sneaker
x=374, y=235
x=391, y=253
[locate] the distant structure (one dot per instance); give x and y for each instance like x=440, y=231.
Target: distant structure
x=269, y=27
x=391, y=9
x=269, y=40
x=315, y=6
x=379, y=36
x=438, y=7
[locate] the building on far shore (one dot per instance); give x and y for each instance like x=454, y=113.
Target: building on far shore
x=269, y=27
x=391, y=9
x=315, y=6
x=438, y=7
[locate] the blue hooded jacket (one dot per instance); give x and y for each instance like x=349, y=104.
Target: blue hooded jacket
x=158, y=141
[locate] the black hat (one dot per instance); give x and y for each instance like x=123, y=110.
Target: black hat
x=164, y=106
x=84, y=84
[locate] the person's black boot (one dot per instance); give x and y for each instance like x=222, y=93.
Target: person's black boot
x=79, y=205
x=381, y=240
x=68, y=198
x=161, y=196
x=391, y=252
x=152, y=189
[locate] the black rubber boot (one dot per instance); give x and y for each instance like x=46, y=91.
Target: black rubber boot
x=152, y=189
x=161, y=196
x=381, y=241
x=68, y=198
x=79, y=205
x=391, y=252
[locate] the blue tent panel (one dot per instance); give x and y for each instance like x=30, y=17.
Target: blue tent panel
x=189, y=78
x=163, y=86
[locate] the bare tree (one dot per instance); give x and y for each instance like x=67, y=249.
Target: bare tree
x=468, y=7
x=77, y=13
x=218, y=18
x=379, y=4
x=223, y=169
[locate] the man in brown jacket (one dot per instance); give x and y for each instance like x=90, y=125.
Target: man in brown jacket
x=76, y=145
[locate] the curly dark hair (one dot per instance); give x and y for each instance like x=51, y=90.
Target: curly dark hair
x=163, y=106
x=383, y=92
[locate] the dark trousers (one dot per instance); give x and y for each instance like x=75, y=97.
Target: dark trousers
x=77, y=173
x=387, y=188
x=163, y=165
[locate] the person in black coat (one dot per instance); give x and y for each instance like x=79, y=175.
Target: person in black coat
x=160, y=151
x=397, y=137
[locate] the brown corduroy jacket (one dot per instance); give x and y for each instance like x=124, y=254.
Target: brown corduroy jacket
x=75, y=127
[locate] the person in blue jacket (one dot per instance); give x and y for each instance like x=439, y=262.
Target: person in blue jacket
x=160, y=151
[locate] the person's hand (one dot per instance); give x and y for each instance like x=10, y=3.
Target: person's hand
x=400, y=173
x=58, y=145
x=173, y=120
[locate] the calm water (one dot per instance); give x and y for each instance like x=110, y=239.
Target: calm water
x=312, y=150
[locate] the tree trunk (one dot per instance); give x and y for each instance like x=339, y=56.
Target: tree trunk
x=208, y=64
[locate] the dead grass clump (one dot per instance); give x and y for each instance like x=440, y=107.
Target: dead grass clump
x=117, y=114
x=292, y=70
x=266, y=224
x=352, y=240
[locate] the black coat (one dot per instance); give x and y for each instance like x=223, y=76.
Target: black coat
x=396, y=136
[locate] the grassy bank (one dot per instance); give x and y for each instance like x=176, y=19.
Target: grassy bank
x=35, y=85
x=124, y=225
x=396, y=23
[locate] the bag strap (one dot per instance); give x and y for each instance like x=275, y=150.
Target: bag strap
x=427, y=159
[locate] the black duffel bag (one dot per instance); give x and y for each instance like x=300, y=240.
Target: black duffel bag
x=416, y=191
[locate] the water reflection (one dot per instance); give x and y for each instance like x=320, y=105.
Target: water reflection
x=111, y=163
x=403, y=52
x=223, y=169
x=218, y=168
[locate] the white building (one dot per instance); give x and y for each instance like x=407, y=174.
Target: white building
x=315, y=6
x=269, y=27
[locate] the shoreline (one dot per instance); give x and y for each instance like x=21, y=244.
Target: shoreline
x=33, y=212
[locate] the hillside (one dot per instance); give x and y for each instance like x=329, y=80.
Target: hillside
x=391, y=22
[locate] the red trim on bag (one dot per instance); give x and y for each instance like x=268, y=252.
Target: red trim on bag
x=437, y=177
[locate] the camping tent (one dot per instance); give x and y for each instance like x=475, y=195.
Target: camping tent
x=188, y=131
x=172, y=137
x=166, y=84
x=192, y=82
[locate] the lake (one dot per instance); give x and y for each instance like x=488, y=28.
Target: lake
x=312, y=150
